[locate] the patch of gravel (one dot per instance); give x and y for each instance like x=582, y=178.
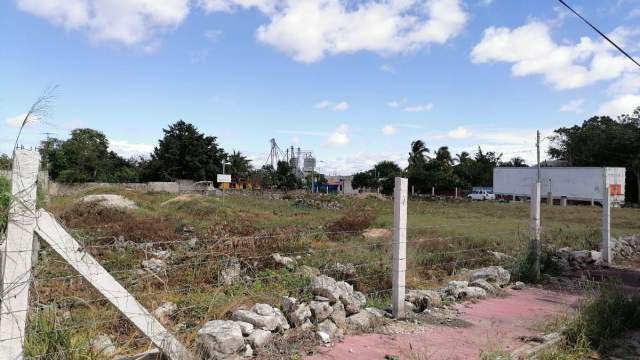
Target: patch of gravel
x=109, y=200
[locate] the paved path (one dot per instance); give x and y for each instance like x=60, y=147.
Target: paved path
x=494, y=322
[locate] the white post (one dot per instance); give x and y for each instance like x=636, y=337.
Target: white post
x=456, y=193
x=17, y=257
x=413, y=190
x=433, y=191
x=399, y=246
x=607, y=256
x=71, y=251
x=534, y=226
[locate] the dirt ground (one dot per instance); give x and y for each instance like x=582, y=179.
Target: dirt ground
x=491, y=325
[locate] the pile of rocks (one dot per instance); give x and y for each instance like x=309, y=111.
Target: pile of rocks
x=566, y=259
x=626, y=247
x=336, y=308
x=307, y=203
x=480, y=283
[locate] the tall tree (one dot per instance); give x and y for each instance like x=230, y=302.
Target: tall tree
x=185, y=153
x=85, y=157
x=603, y=141
x=239, y=166
x=5, y=162
x=418, y=153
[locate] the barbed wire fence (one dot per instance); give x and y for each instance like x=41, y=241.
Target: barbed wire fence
x=65, y=312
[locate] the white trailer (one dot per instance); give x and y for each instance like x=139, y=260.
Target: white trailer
x=572, y=183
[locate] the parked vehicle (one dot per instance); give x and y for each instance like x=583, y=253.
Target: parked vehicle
x=481, y=195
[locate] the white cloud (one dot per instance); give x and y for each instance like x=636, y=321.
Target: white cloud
x=295, y=140
x=16, y=121
x=341, y=106
x=574, y=106
x=323, y=104
x=360, y=161
x=213, y=35
x=310, y=30
x=459, y=133
x=396, y=103
x=388, y=68
x=130, y=22
x=389, y=130
x=340, y=136
x=532, y=51
x=624, y=104
x=419, y=108
x=127, y=149
x=628, y=84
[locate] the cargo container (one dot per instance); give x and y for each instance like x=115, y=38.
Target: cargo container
x=574, y=183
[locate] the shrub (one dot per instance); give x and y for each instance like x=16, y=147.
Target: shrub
x=48, y=339
x=357, y=218
x=610, y=313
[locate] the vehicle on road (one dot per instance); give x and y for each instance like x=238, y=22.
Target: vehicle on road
x=481, y=195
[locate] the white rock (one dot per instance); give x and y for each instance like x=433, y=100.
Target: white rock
x=472, y=292
x=283, y=260
x=324, y=337
x=365, y=319
x=320, y=310
x=155, y=265
x=519, y=285
x=326, y=287
x=165, y=311
x=484, y=284
x=259, y=339
x=423, y=299
x=102, y=345
x=220, y=339
x=248, y=351
x=492, y=274
x=245, y=327
x=329, y=328
x=339, y=315
x=299, y=315
x=266, y=322
x=347, y=270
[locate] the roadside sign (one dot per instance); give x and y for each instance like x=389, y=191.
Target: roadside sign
x=224, y=178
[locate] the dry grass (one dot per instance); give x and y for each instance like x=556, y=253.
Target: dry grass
x=444, y=238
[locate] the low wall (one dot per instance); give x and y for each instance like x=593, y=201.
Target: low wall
x=61, y=189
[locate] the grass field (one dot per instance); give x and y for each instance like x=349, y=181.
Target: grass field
x=443, y=238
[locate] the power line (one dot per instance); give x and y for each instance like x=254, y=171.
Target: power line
x=600, y=32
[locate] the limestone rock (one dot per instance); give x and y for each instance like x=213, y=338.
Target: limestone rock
x=485, y=285
x=265, y=322
x=308, y=271
x=320, y=310
x=102, y=345
x=165, y=311
x=423, y=299
x=155, y=265
x=259, y=339
x=230, y=273
x=283, y=260
x=472, y=292
x=326, y=287
x=519, y=285
x=493, y=274
x=245, y=327
x=339, y=315
x=329, y=328
x=324, y=337
x=220, y=339
x=109, y=201
x=372, y=234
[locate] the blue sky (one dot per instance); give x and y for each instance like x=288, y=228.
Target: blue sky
x=353, y=81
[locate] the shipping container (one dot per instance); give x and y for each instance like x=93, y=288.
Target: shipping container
x=574, y=183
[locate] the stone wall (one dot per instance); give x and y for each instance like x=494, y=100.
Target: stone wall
x=60, y=189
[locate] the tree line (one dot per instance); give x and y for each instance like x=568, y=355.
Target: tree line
x=186, y=153
x=599, y=141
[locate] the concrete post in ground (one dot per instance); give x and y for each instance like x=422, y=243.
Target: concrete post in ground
x=605, y=247
x=413, y=190
x=534, y=229
x=433, y=191
x=399, y=246
x=456, y=196
x=513, y=197
x=18, y=250
x=563, y=201
x=593, y=202
x=549, y=198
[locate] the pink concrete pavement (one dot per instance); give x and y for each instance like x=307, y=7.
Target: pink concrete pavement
x=495, y=322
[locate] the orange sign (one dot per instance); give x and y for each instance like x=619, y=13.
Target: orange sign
x=615, y=189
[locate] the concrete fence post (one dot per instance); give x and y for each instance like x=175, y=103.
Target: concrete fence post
x=549, y=198
x=399, y=246
x=456, y=193
x=433, y=191
x=607, y=255
x=563, y=201
x=18, y=253
x=534, y=228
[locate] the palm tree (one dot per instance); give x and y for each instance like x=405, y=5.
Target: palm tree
x=418, y=152
x=239, y=165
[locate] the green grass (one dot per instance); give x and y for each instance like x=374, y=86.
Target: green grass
x=5, y=200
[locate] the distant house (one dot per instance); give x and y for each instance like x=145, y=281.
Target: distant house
x=336, y=185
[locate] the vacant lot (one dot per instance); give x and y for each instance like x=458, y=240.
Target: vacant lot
x=199, y=237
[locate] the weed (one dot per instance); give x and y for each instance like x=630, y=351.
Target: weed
x=5, y=200
x=357, y=218
x=610, y=313
x=48, y=339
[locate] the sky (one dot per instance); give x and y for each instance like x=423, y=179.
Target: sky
x=353, y=81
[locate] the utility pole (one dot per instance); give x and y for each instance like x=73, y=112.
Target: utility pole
x=534, y=223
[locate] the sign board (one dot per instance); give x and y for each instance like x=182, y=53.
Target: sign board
x=574, y=183
x=224, y=178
